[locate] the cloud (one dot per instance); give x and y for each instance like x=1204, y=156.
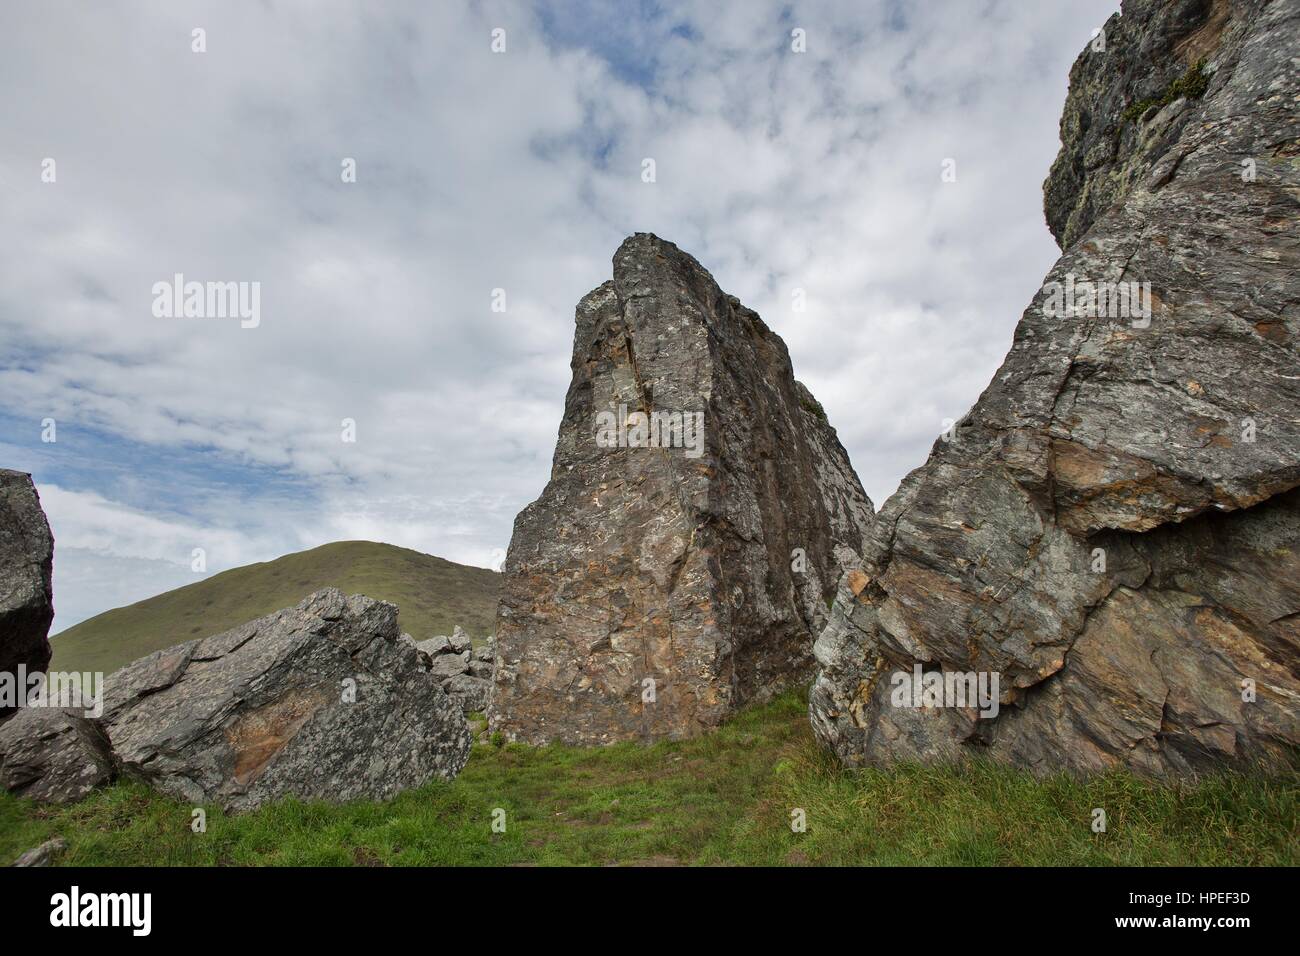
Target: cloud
x=477, y=171
x=88, y=582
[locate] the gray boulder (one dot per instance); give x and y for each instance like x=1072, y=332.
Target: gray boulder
x=691, y=552
x=449, y=664
x=53, y=755
x=43, y=854
x=1114, y=529
x=460, y=641
x=471, y=692
x=26, y=566
x=320, y=701
x=435, y=645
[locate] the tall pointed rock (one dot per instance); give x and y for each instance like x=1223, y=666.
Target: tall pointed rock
x=679, y=564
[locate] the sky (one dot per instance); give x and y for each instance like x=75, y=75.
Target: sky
x=130, y=155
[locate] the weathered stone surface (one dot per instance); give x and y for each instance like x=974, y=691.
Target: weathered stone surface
x=26, y=565
x=256, y=713
x=460, y=641
x=435, y=645
x=43, y=854
x=1104, y=153
x=1169, y=450
x=52, y=755
x=470, y=691
x=672, y=564
x=445, y=665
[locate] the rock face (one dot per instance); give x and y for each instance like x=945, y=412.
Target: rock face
x=26, y=564
x=319, y=701
x=1112, y=529
x=697, y=552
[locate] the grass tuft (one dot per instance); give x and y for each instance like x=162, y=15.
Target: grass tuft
x=1192, y=84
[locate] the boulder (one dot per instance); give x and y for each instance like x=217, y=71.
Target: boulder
x=1113, y=531
x=470, y=692
x=460, y=641
x=43, y=854
x=449, y=664
x=26, y=566
x=435, y=645
x=319, y=701
x=699, y=514
x=53, y=755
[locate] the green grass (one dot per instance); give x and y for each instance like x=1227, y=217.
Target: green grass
x=433, y=595
x=1192, y=84
x=721, y=799
x=815, y=407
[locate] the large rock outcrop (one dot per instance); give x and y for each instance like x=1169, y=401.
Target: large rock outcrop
x=1114, y=529
x=320, y=701
x=26, y=565
x=656, y=585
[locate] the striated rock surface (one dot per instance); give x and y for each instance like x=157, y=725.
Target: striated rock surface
x=1113, y=529
x=26, y=566
x=656, y=585
x=320, y=701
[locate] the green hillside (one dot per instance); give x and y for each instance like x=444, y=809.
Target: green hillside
x=434, y=595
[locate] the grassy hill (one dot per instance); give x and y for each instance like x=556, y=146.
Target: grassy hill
x=434, y=595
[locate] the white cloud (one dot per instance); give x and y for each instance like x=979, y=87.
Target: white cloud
x=88, y=582
x=478, y=171
x=89, y=522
